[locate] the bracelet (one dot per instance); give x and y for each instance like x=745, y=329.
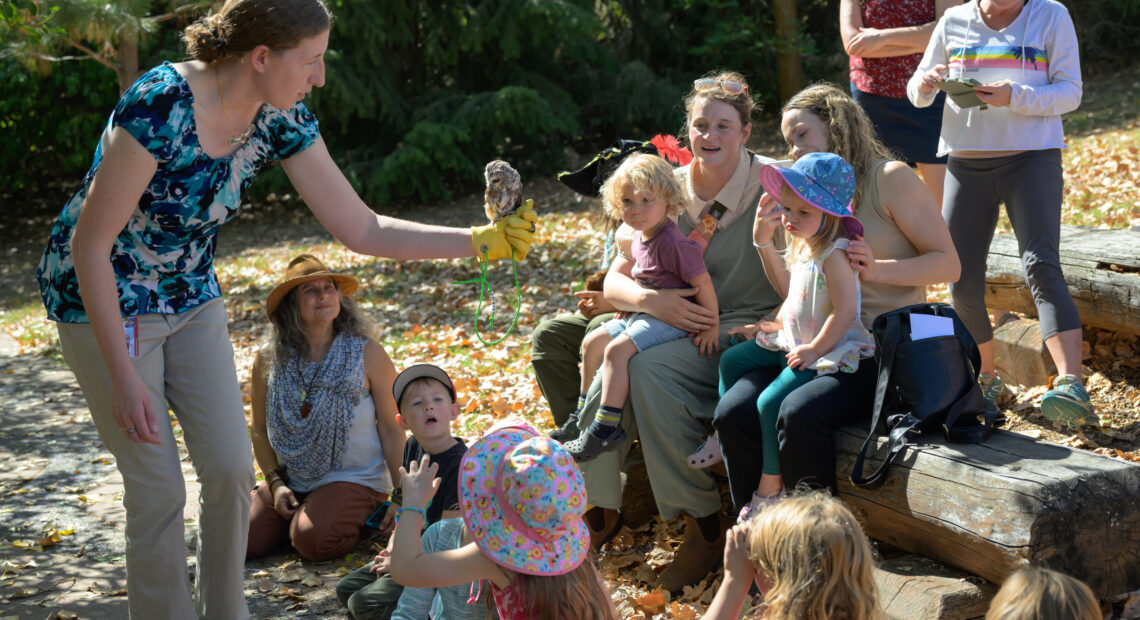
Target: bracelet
x=761, y=247
x=403, y=508
x=273, y=476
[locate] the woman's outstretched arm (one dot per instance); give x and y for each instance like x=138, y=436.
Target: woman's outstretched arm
x=330, y=197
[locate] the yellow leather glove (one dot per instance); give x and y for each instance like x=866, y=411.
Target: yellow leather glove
x=514, y=231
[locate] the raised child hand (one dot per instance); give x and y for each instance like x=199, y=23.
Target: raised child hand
x=419, y=482
x=736, y=560
x=767, y=219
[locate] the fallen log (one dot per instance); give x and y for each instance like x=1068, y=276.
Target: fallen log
x=1101, y=267
x=912, y=586
x=994, y=507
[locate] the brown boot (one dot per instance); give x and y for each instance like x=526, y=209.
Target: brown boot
x=604, y=524
x=694, y=560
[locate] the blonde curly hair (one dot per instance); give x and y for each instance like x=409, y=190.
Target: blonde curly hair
x=644, y=173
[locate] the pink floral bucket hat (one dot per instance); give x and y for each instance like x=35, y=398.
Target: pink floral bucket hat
x=522, y=498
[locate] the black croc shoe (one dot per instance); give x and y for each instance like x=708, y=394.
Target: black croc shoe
x=588, y=446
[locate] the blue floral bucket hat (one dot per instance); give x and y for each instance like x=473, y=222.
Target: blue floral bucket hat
x=824, y=180
x=522, y=498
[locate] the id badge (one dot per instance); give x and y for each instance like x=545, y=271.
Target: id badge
x=131, y=331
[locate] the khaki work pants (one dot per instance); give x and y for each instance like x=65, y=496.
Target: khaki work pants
x=187, y=361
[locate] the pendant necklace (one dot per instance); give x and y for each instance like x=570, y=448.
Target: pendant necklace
x=306, y=396
x=244, y=136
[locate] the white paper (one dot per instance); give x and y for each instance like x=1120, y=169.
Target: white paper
x=924, y=326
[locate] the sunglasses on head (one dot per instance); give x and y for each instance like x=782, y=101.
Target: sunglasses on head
x=731, y=87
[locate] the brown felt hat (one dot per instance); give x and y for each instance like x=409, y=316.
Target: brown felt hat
x=301, y=269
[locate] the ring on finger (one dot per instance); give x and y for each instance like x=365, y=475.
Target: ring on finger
x=131, y=431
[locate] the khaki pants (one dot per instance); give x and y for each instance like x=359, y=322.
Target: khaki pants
x=186, y=360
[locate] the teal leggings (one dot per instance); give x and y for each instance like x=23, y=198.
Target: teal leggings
x=747, y=356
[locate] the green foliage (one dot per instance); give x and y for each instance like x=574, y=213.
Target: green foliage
x=49, y=125
x=27, y=20
x=421, y=93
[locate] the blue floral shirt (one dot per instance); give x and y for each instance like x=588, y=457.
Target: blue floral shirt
x=163, y=259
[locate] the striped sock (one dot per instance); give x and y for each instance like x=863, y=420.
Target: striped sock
x=608, y=416
x=581, y=402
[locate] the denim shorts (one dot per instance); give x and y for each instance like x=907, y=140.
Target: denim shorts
x=644, y=330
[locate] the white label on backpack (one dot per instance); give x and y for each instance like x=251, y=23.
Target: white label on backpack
x=923, y=326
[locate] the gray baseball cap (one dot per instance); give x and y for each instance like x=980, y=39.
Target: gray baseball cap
x=419, y=371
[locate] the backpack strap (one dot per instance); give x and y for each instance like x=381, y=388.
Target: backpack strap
x=898, y=433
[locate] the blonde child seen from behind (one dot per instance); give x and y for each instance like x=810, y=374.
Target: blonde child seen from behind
x=522, y=499
x=1041, y=594
x=647, y=196
x=809, y=558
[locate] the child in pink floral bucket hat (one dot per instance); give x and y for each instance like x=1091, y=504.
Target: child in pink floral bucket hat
x=522, y=498
x=817, y=330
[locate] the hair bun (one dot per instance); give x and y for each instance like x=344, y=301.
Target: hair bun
x=204, y=41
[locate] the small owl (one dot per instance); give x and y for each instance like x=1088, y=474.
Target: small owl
x=504, y=190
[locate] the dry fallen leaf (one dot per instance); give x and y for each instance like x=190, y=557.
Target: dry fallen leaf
x=652, y=603
x=313, y=581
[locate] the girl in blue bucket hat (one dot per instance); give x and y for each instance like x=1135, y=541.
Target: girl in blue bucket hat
x=817, y=330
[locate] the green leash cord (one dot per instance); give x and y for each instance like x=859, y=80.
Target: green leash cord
x=485, y=288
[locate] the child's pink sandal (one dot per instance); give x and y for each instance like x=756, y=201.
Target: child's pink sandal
x=707, y=455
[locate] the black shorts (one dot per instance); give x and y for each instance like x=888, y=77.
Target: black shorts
x=910, y=133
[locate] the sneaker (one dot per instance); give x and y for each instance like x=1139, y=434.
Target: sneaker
x=707, y=455
x=1068, y=402
x=569, y=429
x=991, y=385
x=758, y=503
x=594, y=441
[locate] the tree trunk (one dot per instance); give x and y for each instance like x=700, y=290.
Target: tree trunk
x=128, y=52
x=789, y=66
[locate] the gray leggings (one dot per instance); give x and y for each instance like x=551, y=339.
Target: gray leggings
x=1030, y=185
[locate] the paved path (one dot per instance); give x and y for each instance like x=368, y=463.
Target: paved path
x=59, y=484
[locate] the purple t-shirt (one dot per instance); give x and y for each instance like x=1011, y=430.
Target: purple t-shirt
x=668, y=260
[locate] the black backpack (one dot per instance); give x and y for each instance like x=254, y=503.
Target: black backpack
x=925, y=386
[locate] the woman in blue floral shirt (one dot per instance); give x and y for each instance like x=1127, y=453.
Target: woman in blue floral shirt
x=128, y=276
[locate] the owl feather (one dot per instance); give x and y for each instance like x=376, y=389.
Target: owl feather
x=504, y=190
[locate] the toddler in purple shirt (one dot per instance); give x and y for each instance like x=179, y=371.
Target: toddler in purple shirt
x=644, y=192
